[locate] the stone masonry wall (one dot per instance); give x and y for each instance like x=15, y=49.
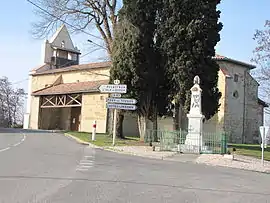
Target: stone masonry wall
x=94, y=108
x=235, y=94
x=241, y=112
x=252, y=111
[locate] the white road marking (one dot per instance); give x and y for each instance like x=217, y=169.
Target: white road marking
x=86, y=163
x=91, y=156
x=2, y=150
x=81, y=169
x=85, y=166
x=15, y=145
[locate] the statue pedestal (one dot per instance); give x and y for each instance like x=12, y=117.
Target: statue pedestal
x=194, y=141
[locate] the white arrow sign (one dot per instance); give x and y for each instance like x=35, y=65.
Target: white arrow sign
x=121, y=101
x=264, y=130
x=113, y=88
x=121, y=106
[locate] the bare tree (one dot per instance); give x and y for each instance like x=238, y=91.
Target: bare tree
x=262, y=58
x=11, y=104
x=80, y=16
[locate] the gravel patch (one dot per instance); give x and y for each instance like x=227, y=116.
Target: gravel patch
x=144, y=151
x=240, y=162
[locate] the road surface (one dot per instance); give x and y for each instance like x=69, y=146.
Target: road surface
x=44, y=167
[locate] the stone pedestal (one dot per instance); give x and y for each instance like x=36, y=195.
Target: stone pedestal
x=194, y=136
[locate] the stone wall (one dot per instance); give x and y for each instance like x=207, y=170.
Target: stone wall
x=216, y=123
x=34, y=116
x=241, y=104
x=252, y=108
x=94, y=108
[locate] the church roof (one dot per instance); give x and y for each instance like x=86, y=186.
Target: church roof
x=41, y=71
x=224, y=58
x=71, y=88
x=263, y=103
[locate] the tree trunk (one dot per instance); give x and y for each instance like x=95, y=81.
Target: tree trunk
x=155, y=126
x=119, y=125
x=176, y=125
x=143, y=126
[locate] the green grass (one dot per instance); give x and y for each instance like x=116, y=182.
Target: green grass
x=250, y=150
x=106, y=140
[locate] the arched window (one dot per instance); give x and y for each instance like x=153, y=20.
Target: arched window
x=63, y=44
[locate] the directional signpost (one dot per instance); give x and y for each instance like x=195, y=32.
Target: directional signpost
x=116, y=102
x=113, y=88
x=264, y=132
x=121, y=106
x=121, y=101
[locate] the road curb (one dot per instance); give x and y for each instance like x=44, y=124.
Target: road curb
x=77, y=139
x=111, y=149
x=83, y=142
x=139, y=155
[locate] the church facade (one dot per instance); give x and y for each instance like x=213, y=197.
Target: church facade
x=63, y=94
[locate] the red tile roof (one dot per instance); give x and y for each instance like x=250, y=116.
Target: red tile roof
x=44, y=69
x=223, y=58
x=71, y=88
x=73, y=68
x=225, y=72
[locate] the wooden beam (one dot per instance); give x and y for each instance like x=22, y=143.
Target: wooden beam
x=61, y=101
x=62, y=106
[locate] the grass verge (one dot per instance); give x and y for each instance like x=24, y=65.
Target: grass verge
x=103, y=140
x=250, y=150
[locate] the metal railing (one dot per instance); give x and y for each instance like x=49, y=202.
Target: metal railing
x=184, y=142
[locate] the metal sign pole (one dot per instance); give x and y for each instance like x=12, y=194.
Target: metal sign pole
x=262, y=146
x=116, y=82
x=114, y=125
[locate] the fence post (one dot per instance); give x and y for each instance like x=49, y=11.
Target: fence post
x=223, y=143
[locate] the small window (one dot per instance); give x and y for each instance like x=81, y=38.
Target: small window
x=63, y=44
x=235, y=94
x=236, y=78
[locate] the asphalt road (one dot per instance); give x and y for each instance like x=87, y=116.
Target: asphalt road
x=44, y=167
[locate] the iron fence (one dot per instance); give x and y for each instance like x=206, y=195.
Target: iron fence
x=186, y=142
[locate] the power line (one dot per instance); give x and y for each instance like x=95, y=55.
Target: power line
x=14, y=83
x=67, y=23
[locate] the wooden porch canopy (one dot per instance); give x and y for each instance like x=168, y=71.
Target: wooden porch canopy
x=66, y=94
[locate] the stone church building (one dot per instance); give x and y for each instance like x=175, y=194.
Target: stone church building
x=63, y=94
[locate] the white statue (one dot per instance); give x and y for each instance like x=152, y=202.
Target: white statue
x=196, y=80
x=195, y=118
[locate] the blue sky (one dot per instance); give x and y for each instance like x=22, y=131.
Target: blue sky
x=20, y=52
